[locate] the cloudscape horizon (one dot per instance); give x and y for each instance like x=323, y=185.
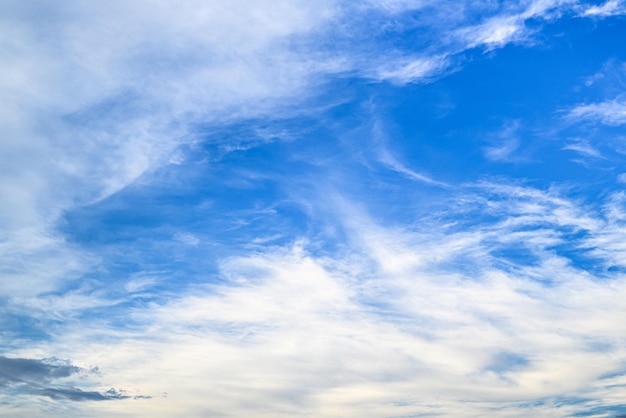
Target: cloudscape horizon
x=293, y=208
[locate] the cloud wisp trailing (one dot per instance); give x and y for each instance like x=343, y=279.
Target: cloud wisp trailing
x=610, y=8
x=612, y=113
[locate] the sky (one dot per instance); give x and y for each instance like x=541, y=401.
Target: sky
x=297, y=208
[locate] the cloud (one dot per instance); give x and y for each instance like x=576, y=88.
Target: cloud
x=509, y=26
x=495, y=33
x=17, y=369
x=505, y=143
x=610, y=8
x=491, y=303
x=187, y=238
x=35, y=377
x=79, y=395
x=502, y=26
x=391, y=162
x=583, y=148
x=101, y=97
x=612, y=113
x=414, y=70
x=503, y=151
x=385, y=156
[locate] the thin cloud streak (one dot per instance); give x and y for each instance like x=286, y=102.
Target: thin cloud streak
x=612, y=113
x=610, y=8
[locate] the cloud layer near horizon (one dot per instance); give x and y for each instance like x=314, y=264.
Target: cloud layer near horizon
x=404, y=323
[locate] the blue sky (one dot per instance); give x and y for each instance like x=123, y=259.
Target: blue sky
x=386, y=208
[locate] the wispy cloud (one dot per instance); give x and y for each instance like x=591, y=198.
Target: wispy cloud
x=504, y=143
x=495, y=33
x=390, y=161
x=583, y=148
x=100, y=96
x=415, y=70
x=611, y=113
x=610, y=8
x=187, y=238
x=509, y=26
x=503, y=151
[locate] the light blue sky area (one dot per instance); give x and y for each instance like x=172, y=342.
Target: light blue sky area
x=295, y=209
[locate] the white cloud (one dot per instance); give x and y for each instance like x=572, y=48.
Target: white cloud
x=402, y=323
x=187, y=238
x=386, y=157
x=407, y=322
x=140, y=282
x=504, y=144
x=502, y=151
x=610, y=8
x=391, y=162
x=495, y=33
x=98, y=96
x=584, y=148
x=509, y=26
x=415, y=70
x=611, y=113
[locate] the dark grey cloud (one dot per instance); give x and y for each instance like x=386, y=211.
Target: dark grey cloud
x=40, y=377
x=76, y=395
x=14, y=370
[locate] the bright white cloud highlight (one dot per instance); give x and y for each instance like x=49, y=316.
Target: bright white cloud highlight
x=495, y=33
x=610, y=8
x=611, y=113
x=417, y=70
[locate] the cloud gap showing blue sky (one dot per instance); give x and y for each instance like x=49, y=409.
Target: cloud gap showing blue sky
x=293, y=209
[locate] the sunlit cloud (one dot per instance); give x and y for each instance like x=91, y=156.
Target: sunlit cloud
x=610, y=8
x=609, y=113
x=402, y=317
